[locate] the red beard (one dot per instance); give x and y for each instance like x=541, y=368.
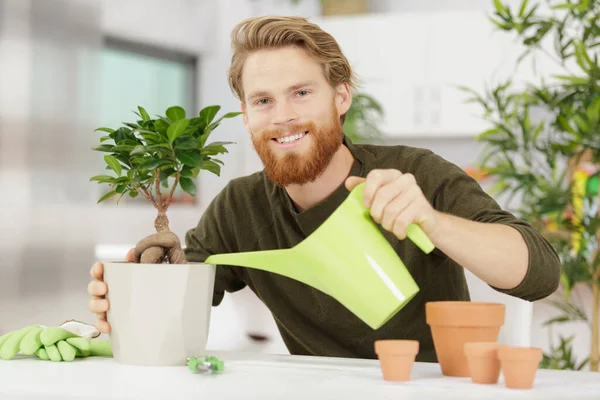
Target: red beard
x=295, y=168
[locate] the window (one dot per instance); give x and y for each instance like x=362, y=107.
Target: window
x=134, y=74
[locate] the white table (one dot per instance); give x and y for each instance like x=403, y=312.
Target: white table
x=266, y=376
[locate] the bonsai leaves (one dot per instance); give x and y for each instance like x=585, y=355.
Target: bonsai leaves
x=144, y=155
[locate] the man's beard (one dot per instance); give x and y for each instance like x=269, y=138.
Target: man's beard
x=294, y=167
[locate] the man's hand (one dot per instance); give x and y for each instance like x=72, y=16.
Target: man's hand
x=396, y=201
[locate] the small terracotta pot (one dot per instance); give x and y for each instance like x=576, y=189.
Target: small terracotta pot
x=454, y=323
x=396, y=358
x=483, y=363
x=519, y=365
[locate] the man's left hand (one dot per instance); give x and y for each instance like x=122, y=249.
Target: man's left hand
x=396, y=201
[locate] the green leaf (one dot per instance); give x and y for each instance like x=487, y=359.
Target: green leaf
x=161, y=127
x=186, y=143
x=144, y=114
x=523, y=7
x=500, y=8
x=141, y=178
x=127, y=148
x=219, y=143
x=113, y=164
x=104, y=130
x=138, y=150
x=121, y=188
x=231, y=114
x=577, y=80
x=108, y=148
x=581, y=124
x=176, y=129
x=489, y=132
x=133, y=193
x=165, y=174
x=175, y=113
x=105, y=138
x=214, y=149
x=187, y=172
x=107, y=196
x=566, y=125
x=196, y=127
x=103, y=179
x=211, y=166
x=132, y=125
x=208, y=114
x=583, y=5
x=123, y=179
x=153, y=137
x=564, y=6
x=154, y=163
x=562, y=318
x=190, y=158
x=593, y=112
x=188, y=186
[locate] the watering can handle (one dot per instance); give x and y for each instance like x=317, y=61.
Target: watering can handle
x=420, y=238
x=413, y=231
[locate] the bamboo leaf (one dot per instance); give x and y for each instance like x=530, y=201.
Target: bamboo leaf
x=523, y=7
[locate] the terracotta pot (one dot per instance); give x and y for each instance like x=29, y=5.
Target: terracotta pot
x=396, y=358
x=483, y=363
x=454, y=323
x=519, y=365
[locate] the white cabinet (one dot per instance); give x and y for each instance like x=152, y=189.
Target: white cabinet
x=465, y=50
x=413, y=62
x=388, y=53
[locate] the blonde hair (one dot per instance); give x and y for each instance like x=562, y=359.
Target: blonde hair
x=269, y=32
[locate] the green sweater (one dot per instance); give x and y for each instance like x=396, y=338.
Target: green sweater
x=251, y=213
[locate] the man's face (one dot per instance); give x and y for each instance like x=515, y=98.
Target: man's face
x=292, y=114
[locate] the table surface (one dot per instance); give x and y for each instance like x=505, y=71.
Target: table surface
x=267, y=376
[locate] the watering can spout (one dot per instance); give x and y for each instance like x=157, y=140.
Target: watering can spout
x=347, y=258
x=288, y=262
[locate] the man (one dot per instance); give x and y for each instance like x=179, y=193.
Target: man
x=295, y=87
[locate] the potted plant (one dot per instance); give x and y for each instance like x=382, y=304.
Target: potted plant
x=160, y=304
x=543, y=147
x=362, y=119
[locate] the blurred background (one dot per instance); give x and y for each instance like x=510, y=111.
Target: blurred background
x=69, y=66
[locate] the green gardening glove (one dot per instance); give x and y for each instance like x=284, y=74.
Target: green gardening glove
x=63, y=343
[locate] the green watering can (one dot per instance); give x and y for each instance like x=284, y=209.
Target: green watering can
x=348, y=258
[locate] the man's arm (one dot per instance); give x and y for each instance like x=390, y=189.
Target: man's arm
x=495, y=253
x=465, y=224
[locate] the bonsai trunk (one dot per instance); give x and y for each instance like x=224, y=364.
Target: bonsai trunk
x=161, y=223
x=162, y=247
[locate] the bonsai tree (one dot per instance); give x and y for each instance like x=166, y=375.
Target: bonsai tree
x=148, y=156
x=543, y=147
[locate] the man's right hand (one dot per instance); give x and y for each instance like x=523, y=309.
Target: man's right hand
x=98, y=304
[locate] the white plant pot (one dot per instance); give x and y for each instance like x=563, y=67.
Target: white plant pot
x=159, y=313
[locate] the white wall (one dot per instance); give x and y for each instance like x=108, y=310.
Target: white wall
x=184, y=25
